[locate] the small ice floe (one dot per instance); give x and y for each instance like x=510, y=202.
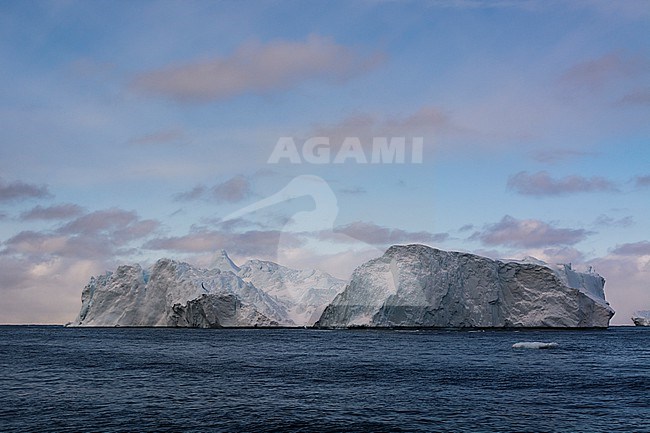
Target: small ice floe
x=534, y=345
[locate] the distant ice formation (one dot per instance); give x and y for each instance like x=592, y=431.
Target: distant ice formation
x=641, y=318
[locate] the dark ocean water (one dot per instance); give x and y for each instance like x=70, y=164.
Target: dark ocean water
x=58, y=379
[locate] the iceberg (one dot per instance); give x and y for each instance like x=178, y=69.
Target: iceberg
x=173, y=293
x=420, y=286
x=641, y=318
x=303, y=293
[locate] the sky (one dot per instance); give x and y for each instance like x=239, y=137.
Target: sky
x=316, y=134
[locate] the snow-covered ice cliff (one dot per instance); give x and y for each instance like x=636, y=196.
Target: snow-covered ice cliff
x=416, y=285
x=172, y=293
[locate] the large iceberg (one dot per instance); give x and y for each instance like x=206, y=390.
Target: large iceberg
x=172, y=293
x=416, y=285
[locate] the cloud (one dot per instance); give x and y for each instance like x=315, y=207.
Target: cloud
x=559, y=255
x=365, y=130
x=31, y=242
x=18, y=190
x=638, y=97
x=257, y=68
x=551, y=255
x=12, y=273
x=103, y=221
x=642, y=181
x=47, y=270
x=252, y=243
x=607, y=221
x=275, y=244
x=41, y=246
x=193, y=194
x=542, y=184
x=426, y=121
x=558, y=155
x=596, y=73
x=97, y=235
x=528, y=233
x=374, y=234
x=51, y=288
x=633, y=249
x=235, y=224
x=627, y=279
x=233, y=190
x=56, y=212
x=159, y=137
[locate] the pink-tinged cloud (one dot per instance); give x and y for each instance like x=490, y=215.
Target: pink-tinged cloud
x=55, y=212
x=252, y=243
x=641, y=248
x=542, y=184
x=596, y=73
x=377, y=235
x=40, y=246
x=233, y=190
x=51, y=288
x=119, y=224
x=13, y=273
x=31, y=242
x=136, y=230
x=18, y=190
x=551, y=255
x=426, y=121
x=100, y=235
x=529, y=233
x=560, y=255
x=257, y=68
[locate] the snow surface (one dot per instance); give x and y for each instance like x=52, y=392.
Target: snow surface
x=172, y=293
x=304, y=293
x=416, y=285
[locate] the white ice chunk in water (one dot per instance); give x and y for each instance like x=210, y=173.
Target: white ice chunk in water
x=534, y=345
